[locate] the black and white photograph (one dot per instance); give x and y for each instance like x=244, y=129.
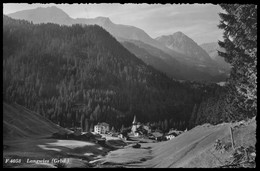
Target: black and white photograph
x=129, y=85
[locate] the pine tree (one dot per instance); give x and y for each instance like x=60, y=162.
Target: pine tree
x=193, y=117
x=112, y=129
x=91, y=129
x=240, y=43
x=180, y=126
x=86, y=125
x=97, y=112
x=166, y=128
x=122, y=128
x=173, y=125
x=82, y=122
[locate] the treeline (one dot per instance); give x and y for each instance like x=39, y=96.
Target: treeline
x=80, y=75
x=238, y=99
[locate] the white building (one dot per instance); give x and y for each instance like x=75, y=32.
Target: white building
x=170, y=136
x=101, y=128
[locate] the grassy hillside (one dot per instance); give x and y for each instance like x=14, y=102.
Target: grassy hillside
x=195, y=148
x=20, y=123
x=26, y=136
x=192, y=149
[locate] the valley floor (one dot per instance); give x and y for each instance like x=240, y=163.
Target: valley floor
x=191, y=149
x=194, y=148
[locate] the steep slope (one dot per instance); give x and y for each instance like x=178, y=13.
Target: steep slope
x=43, y=15
x=127, y=33
x=78, y=76
x=26, y=137
x=174, y=68
x=195, y=148
x=20, y=123
x=212, y=49
x=155, y=57
x=191, y=149
x=197, y=56
x=56, y=15
x=183, y=44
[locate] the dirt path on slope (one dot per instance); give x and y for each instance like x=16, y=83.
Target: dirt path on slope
x=181, y=151
x=189, y=149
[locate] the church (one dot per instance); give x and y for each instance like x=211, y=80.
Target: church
x=135, y=125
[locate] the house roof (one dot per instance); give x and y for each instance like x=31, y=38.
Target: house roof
x=172, y=133
x=157, y=134
x=102, y=124
x=88, y=134
x=175, y=132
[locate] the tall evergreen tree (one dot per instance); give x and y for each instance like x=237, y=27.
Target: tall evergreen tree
x=193, y=117
x=91, y=129
x=86, y=125
x=166, y=128
x=239, y=23
x=122, y=128
x=82, y=122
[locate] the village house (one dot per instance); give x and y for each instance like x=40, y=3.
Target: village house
x=101, y=128
x=138, y=133
x=122, y=136
x=171, y=135
x=158, y=136
x=77, y=131
x=147, y=128
x=139, y=129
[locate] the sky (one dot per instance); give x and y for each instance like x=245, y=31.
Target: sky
x=198, y=21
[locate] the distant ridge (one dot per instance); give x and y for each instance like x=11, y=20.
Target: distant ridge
x=191, y=57
x=183, y=44
x=212, y=49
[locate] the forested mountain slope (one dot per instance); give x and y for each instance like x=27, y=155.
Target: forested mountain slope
x=154, y=57
x=81, y=75
x=167, y=64
x=187, y=66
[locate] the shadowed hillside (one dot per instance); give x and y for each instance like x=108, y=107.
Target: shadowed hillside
x=20, y=123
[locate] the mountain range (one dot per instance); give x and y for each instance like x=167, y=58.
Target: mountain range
x=183, y=44
x=165, y=63
x=80, y=75
x=212, y=49
x=179, y=51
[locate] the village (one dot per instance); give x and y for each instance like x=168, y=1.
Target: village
x=135, y=146
x=108, y=137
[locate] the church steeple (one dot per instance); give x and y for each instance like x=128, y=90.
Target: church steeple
x=134, y=121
